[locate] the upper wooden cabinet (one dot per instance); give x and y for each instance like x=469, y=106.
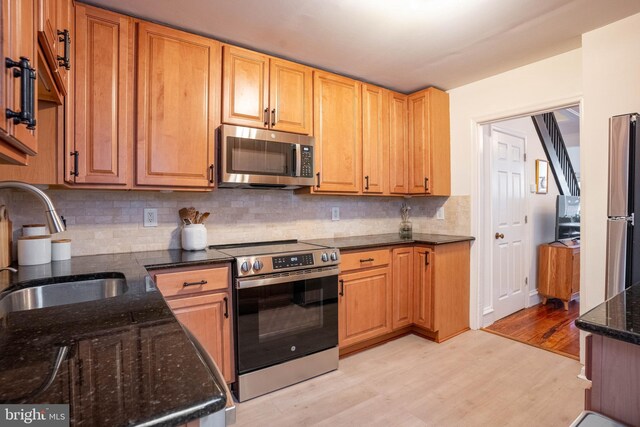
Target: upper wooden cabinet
x=338, y=133
x=375, y=139
x=429, y=144
x=54, y=34
x=18, y=88
x=178, y=93
x=261, y=91
x=398, y=144
x=101, y=149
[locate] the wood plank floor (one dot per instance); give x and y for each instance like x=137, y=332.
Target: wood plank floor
x=549, y=327
x=474, y=379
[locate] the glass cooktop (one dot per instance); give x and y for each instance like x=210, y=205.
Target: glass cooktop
x=265, y=248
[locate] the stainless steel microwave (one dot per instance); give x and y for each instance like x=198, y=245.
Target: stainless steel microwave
x=261, y=158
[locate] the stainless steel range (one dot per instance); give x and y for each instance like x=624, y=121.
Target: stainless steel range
x=286, y=314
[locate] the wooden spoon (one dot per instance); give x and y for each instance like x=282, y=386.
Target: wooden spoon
x=184, y=216
x=204, y=217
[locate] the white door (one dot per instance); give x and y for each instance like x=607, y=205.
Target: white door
x=508, y=213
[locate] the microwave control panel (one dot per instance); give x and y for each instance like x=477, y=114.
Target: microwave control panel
x=306, y=166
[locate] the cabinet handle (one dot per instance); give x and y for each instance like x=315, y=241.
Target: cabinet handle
x=200, y=283
x=63, y=61
x=212, y=176
x=266, y=117
x=75, y=155
x=27, y=75
x=318, y=179
x=226, y=307
x=341, y=287
x=366, y=180
x=274, y=120
x=426, y=184
x=426, y=259
x=367, y=260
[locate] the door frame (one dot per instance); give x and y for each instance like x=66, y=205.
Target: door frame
x=487, y=199
x=479, y=229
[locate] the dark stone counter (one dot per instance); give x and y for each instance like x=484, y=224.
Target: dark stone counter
x=617, y=318
x=127, y=360
x=376, y=240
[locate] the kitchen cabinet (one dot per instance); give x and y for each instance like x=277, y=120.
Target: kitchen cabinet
x=200, y=298
x=402, y=287
x=364, y=297
x=559, y=272
x=66, y=38
x=338, y=133
x=429, y=144
x=177, y=91
x=398, y=144
x=18, y=88
x=266, y=92
x=100, y=150
x=375, y=139
x=423, y=288
x=54, y=35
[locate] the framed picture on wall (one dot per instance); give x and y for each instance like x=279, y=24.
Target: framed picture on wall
x=542, y=176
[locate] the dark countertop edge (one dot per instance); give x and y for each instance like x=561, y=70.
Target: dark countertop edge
x=186, y=415
x=180, y=264
x=607, y=331
x=392, y=242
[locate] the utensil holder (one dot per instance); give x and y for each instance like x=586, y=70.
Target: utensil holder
x=194, y=237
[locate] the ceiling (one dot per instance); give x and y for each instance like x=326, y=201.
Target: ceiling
x=403, y=44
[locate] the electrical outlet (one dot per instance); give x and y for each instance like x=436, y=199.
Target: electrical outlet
x=440, y=213
x=335, y=214
x=150, y=218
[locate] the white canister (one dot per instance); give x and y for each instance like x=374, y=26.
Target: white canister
x=34, y=250
x=34, y=230
x=60, y=250
x=194, y=237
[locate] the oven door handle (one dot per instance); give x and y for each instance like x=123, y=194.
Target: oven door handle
x=274, y=279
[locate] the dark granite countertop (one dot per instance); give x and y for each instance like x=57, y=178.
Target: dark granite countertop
x=127, y=360
x=618, y=317
x=363, y=242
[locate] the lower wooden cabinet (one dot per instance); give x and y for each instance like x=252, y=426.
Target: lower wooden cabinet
x=559, y=272
x=403, y=289
x=364, y=305
x=200, y=298
x=423, y=288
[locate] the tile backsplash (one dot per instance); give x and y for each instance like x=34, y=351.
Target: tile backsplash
x=101, y=222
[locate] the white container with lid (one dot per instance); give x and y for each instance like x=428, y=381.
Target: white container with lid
x=60, y=250
x=194, y=237
x=34, y=230
x=34, y=250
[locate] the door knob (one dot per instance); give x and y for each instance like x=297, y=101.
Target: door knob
x=499, y=236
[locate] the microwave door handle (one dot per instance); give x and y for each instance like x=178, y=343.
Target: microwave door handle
x=297, y=160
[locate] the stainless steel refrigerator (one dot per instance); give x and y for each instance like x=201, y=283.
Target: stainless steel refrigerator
x=623, y=236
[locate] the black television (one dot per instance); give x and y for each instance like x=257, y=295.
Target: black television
x=567, y=217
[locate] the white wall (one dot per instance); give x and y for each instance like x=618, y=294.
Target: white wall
x=547, y=84
x=541, y=208
x=611, y=86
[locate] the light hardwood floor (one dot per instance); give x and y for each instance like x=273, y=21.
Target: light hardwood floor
x=474, y=379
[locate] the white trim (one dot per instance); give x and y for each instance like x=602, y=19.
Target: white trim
x=478, y=264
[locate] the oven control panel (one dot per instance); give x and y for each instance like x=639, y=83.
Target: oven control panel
x=296, y=260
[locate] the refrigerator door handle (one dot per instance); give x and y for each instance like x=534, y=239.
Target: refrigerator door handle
x=619, y=162
x=616, y=256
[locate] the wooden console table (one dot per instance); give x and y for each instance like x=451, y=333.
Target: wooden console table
x=559, y=272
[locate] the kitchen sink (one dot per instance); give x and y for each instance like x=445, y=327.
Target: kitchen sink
x=71, y=292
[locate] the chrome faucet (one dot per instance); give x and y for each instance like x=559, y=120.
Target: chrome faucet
x=53, y=220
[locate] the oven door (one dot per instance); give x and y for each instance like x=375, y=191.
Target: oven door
x=279, y=318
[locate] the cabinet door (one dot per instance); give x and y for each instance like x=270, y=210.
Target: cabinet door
x=103, y=97
x=105, y=372
x=375, y=139
x=245, y=88
x=423, y=288
x=208, y=318
x=65, y=24
x=48, y=31
x=19, y=23
x=402, y=268
x=419, y=166
x=398, y=144
x=178, y=107
x=290, y=97
x=364, y=306
x=338, y=132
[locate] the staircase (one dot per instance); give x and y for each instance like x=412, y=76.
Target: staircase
x=557, y=154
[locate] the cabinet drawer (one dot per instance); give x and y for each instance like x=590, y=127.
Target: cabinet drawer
x=193, y=281
x=364, y=259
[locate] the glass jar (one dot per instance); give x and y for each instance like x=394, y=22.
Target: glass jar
x=406, y=229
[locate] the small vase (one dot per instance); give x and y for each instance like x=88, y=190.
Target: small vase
x=406, y=229
x=194, y=237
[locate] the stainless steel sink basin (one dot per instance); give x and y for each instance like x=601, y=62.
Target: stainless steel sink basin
x=56, y=294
